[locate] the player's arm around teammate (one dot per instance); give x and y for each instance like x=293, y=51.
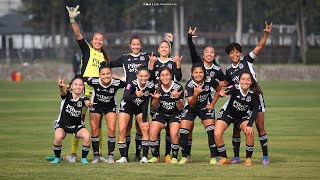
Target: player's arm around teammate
x=243, y=97
x=69, y=119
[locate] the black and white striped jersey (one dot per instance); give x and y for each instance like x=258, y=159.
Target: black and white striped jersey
x=205, y=97
x=167, y=105
x=238, y=103
x=71, y=110
x=130, y=64
x=245, y=63
x=105, y=96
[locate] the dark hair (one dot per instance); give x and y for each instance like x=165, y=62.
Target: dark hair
x=105, y=54
x=160, y=71
x=254, y=86
x=104, y=65
x=142, y=67
x=78, y=76
x=166, y=42
x=233, y=46
x=135, y=36
x=198, y=65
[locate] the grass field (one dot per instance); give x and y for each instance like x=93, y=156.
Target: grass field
x=292, y=122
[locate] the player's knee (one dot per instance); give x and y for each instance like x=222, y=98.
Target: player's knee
x=111, y=130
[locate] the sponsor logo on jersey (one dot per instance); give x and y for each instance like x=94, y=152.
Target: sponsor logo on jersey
x=239, y=107
x=129, y=59
x=98, y=89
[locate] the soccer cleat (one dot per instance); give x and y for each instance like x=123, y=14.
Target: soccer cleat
x=174, y=161
x=189, y=159
x=84, y=161
x=167, y=159
x=248, y=162
x=235, y=160
x=144, y=160
x=127, y=157
x=223, y=161
x=51, y=158
x=137, y=158
x=56, y=161
x=265, y=160
x=102, y=159
x=71, y=159
x=95, y=160
x=122, y=160
x=183, y=160
x=213, y=161
x=154, y=160
x=110, y=159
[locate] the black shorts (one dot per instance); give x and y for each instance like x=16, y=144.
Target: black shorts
x=224, y=116
x=166, y=119
x=69, y=129
x=130, y=108
x=191, y=113
x=104, y=110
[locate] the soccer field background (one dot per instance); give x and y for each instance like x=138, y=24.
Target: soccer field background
x=292, y=123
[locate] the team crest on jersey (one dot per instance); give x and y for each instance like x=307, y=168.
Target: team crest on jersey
x=146, y=93
x=170, y=65
x=142, y=58
x=212, y=73
x=248, y=99
x=206, y=88
x=240, y=66
x=111, y=90
x=79, y=103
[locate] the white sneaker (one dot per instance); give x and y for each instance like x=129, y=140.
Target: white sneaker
x=110, y=159
x=102, y=159
x=95, y=160
x=71, y=159
x=144, y=160
x=122, y=160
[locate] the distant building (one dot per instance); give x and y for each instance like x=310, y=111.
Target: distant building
x=8, y=6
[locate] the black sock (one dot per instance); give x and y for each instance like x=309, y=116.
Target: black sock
x=249, y=151
x=145, y=147
x=184, y=141
x=158, y=146
x=154, y=149
x=111, y=145
x=85, y=151
x=175, y=150
x=168, y=144
x=222, y=151
x=57, y=151
x=95, y=145
x=189, y=146
x=128, y=140
x=122, y=149
x=138, y=144
x=264, y=144
x=236, y=145
x=212, y=146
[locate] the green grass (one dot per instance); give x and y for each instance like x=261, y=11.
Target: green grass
x=292, y=122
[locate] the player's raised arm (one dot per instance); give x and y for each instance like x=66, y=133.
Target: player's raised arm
x=73, y=13
x=263, y=40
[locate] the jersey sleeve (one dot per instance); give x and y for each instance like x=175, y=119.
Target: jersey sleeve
x=129, y=93
x=177, y=73
x=117, y=62
x=188, y=91
x=228, y=78
x=255, y=110
x=65, y=96
x=89, y=81
x=249, y=57
x=195, y=58
x=123, y=84
x=230, y=90
x=220, y=76
x=182, y=94
x=214, y=83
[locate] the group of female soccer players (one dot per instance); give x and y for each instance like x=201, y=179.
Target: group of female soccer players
x=154, y=78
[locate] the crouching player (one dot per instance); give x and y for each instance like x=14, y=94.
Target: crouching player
x=241, y=109
x=69, y=119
